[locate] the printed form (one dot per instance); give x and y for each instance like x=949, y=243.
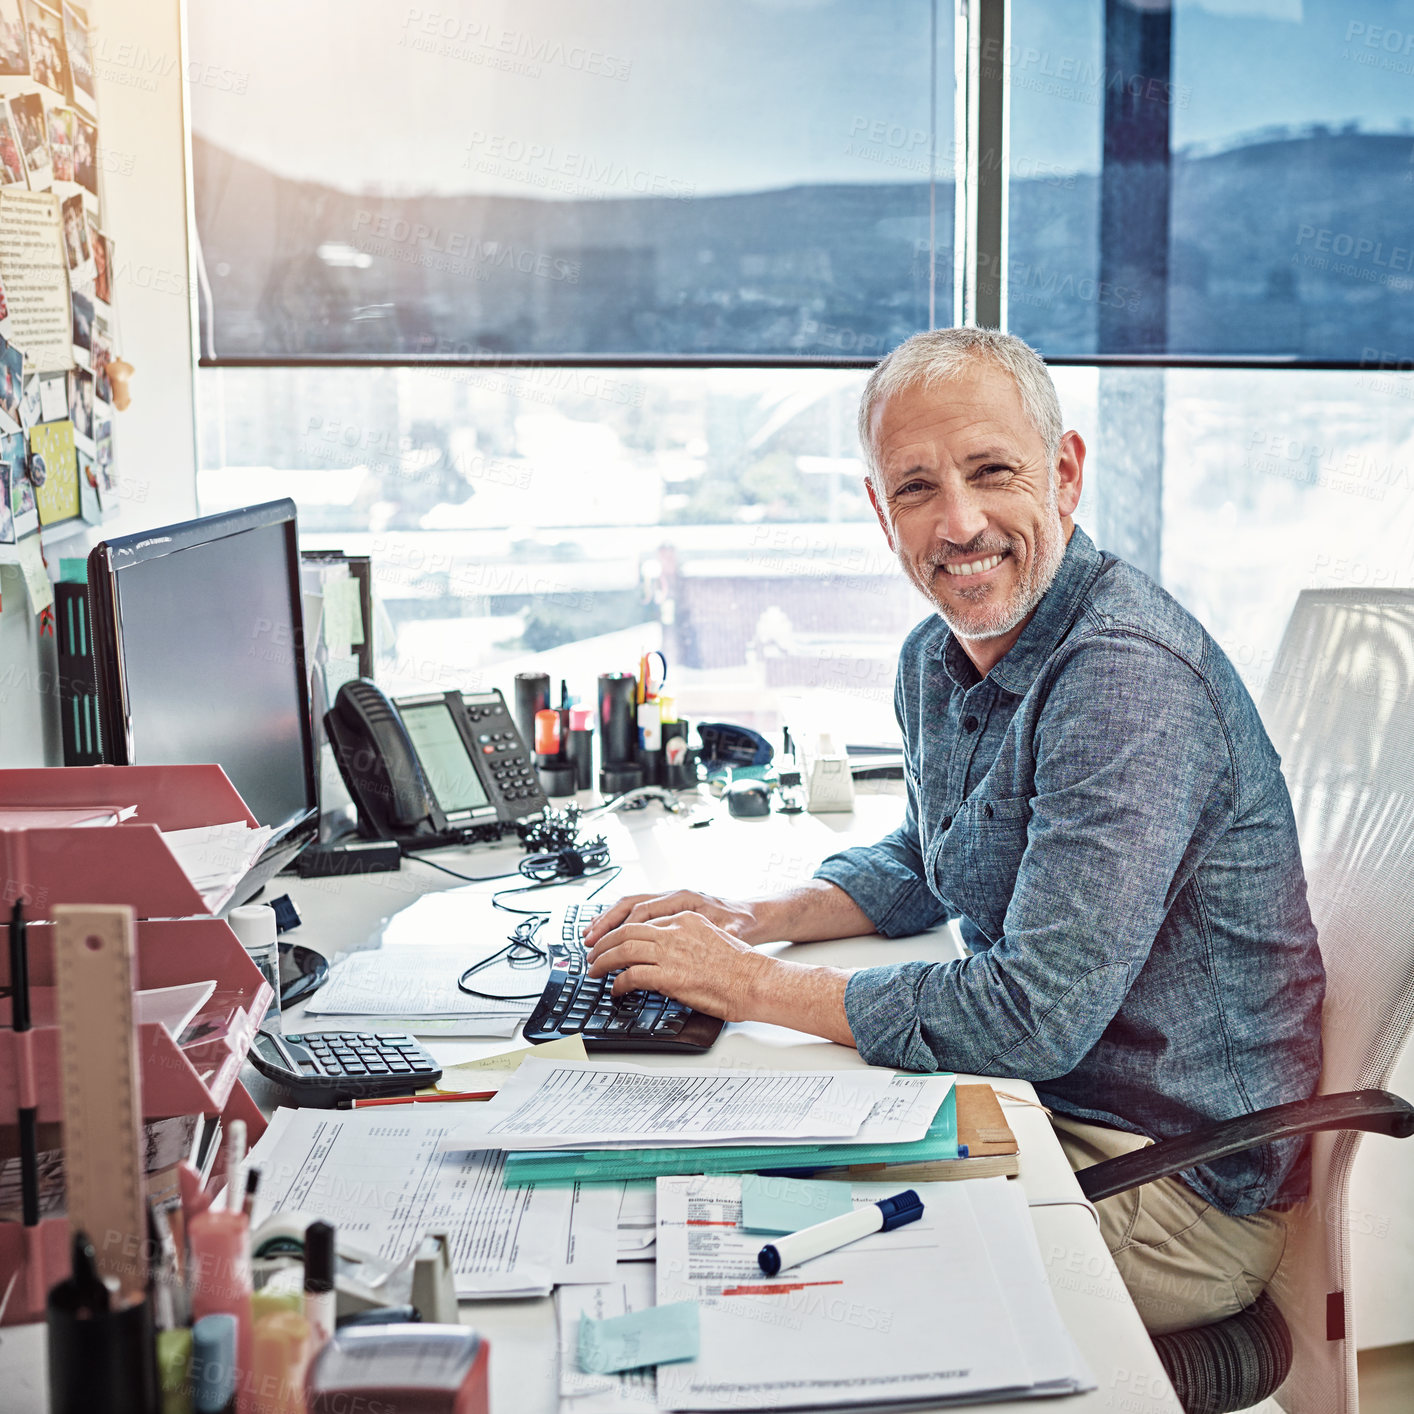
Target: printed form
x=912, y=1314
x=551, y=1104
x=384, y=1183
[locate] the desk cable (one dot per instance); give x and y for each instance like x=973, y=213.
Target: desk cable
x=521, y=949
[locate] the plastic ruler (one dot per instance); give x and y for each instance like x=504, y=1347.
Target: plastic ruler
x=94, y=965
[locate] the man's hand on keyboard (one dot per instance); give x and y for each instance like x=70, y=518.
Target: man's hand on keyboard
x=733, y=917
x=684, y=955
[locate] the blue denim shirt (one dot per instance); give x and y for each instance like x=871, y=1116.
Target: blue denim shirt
x=1108, y=816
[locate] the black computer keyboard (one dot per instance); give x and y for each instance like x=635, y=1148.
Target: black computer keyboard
x=574, y=1003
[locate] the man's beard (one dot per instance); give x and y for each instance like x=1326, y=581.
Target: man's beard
x=987, y=616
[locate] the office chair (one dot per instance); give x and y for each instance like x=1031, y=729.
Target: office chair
x=1340, y=709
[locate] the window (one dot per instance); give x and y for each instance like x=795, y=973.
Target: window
x=1219, y=177
x=707, y=178
x=572, y=519
x=661, y=203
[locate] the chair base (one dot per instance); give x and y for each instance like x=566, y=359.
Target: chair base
x=1230, y=1365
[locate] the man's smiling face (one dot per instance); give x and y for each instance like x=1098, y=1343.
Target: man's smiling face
x=970, y=503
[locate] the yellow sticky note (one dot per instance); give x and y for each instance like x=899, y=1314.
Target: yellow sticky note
x=41, y=591
x=478, y=1074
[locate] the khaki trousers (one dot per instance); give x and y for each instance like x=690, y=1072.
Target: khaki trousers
x=1185, y=1262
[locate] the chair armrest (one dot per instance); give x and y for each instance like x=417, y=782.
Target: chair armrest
x=1374, y=1111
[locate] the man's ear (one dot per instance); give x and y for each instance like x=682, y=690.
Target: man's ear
x=880, y=513
x=1070, y=473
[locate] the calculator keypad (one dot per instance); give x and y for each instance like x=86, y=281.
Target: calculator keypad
x=361, y=1053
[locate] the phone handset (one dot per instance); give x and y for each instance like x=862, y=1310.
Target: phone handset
x=379, y=765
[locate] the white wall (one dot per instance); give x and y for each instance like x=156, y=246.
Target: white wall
x=140, y=73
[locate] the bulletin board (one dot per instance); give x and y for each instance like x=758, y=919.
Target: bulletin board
x=58, y=324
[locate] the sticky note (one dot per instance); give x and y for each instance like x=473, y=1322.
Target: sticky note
x=658, y=1335
x=472, y=1075
x=41, y=591
x=779, y=1205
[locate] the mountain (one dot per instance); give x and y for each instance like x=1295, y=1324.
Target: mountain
x=1286, y=245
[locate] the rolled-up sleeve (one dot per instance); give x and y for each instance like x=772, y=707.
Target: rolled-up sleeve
x=1129, y=751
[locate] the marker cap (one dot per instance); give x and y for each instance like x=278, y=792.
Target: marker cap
x=319, y=1257
x=901, y=1208
x=213, y=1362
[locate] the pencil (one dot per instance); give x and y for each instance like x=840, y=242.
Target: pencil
x=416, y=1100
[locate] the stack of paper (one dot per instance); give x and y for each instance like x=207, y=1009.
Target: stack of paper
x=379, y=1176
x=416, y=987
x=589, y=1105
x=955, y=1306
x=217, y=857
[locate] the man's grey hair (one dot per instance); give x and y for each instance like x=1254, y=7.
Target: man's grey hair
x=938, y=355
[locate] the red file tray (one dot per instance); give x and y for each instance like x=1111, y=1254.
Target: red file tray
x=196, y=1079
x=126, y=863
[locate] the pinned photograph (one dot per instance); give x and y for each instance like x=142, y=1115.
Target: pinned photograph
x=82, y=308
x=7, y=510
x=81, y=407
x=14, y=52
x=102, y=250
x=61, y=143
x=76, y=251
x=85, y=144
x=100, y=353
x=53, y=397
x=12, y=162
x=12, y=363
x=48, y=56
x=29, y=402
x=81, y=85
x=28, y=113
x=90, y=496
x=103, y=440
x=22, y=502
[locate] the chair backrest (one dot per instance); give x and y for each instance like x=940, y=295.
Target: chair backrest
x=1340, y=709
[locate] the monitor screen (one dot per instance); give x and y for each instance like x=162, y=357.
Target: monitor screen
x=198, y=640
x=444, y=757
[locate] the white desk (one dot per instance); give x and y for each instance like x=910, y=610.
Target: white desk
x=741, y=858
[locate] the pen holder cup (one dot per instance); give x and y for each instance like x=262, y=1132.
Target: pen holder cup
x=106, y=1360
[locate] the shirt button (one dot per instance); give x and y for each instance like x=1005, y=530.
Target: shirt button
x=969, y=724
x=947, y=822
x=988, y=811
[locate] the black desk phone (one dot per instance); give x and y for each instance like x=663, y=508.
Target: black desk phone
x=442, y=768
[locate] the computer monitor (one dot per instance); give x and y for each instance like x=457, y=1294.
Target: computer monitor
x=198, y=644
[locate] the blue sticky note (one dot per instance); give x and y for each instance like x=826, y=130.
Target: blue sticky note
x=659, y=1335
x=776, y=1205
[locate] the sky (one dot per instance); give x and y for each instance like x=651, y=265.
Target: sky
x=556, y=98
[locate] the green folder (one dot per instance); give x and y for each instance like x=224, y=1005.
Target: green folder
x=561, y=1166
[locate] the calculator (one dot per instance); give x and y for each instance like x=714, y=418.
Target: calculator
x=322, y=1067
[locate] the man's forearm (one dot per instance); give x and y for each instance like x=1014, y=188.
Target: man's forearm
x=812, y=913
x=803, y=997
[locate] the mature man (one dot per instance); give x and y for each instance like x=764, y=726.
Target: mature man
x=1090, y=788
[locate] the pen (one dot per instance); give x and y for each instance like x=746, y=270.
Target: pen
x=28, y=1113
x=235, y=1162
x=319, y=1283
x=252, y=1182
x=415, y=1100
x=798, y=1247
